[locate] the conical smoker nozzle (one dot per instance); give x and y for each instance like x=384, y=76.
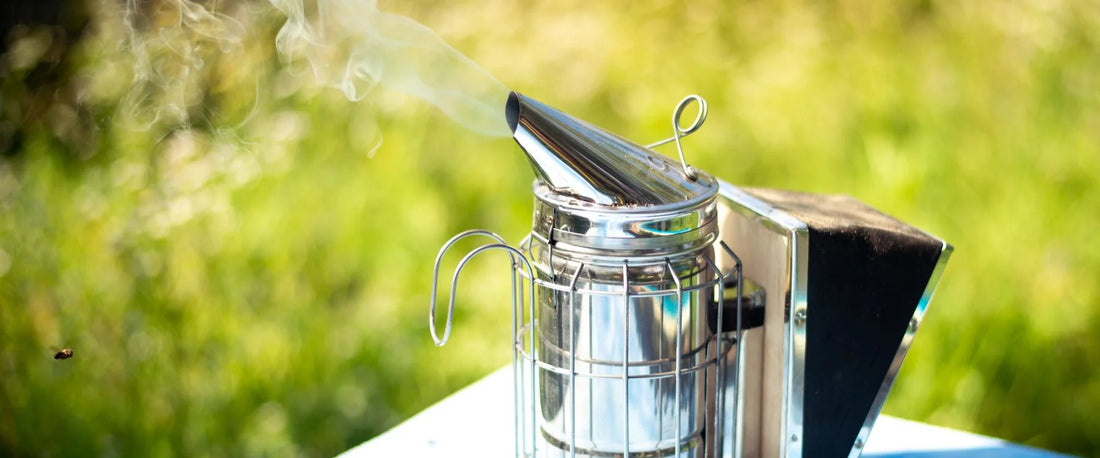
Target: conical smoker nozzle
x=585, y=162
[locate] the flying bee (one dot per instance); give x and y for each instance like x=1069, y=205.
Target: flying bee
x=62, y=353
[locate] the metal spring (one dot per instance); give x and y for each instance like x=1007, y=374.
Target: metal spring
x=679, y=131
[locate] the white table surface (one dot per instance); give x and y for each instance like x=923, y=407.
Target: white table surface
x=477, y=422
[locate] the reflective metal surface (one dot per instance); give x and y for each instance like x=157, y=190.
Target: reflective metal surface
x=625, y=342
x=596, y=231
x=591, y=165
x=621, y=346
x=773, y=246
x=626, y=356
x=661, y=405
x=620, y=349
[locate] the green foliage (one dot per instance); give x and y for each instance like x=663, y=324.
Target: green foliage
x=251, y=276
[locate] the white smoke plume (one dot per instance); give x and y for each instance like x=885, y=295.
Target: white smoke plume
x=173, y=45
x=351, y=45
x=346, y=44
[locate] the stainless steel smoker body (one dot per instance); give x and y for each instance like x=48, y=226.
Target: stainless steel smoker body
x=658, y=311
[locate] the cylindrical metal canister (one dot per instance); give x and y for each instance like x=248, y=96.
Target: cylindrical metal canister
x=627, y=353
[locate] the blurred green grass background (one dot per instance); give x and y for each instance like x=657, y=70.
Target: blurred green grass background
x=255, y=281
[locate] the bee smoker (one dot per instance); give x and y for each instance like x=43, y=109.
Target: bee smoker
x=658, y=311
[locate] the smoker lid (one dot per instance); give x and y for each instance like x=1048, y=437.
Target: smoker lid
x=592, y=167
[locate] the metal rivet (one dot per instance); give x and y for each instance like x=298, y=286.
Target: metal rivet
x=794, y=437
x=859, y=443
x=657, y=162
x=913, y=325
x=800, y=317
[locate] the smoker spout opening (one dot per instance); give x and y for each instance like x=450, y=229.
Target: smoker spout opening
x=511, y=111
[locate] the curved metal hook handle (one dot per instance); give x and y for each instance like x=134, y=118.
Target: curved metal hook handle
x=679, y=131
x=513, y=253
x=435, y=282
